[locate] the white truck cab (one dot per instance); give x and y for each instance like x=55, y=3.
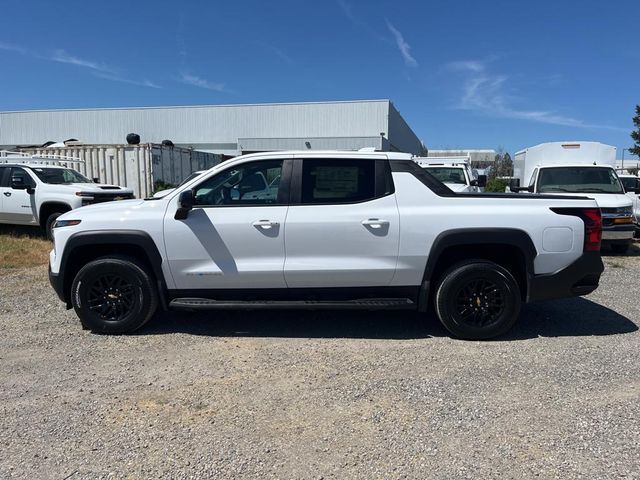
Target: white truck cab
x=455, y=172
x=36, y=190
x=580, y=168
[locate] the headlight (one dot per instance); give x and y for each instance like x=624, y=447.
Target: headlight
x=66, y=223
x=627, y=211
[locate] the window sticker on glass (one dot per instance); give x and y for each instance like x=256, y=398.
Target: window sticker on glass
x=335, y=182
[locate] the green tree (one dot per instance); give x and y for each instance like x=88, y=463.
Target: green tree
x=635, y=135
x=502, y=166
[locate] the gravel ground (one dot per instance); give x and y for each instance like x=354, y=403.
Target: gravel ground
x=322, y=395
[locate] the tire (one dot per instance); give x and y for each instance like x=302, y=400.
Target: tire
x=620, y=248
x=493, y=297
x=114, y=295
x=48, y=225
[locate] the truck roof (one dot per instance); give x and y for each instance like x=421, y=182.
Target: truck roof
x=332, y=153
x=453, y=161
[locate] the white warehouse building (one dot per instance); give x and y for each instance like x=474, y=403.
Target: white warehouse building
x=223, y=129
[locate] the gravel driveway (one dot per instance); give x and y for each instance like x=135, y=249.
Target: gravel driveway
x=321, y=395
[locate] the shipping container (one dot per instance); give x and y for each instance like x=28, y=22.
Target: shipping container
x=140, y=167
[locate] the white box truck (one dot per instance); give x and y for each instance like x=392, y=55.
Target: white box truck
x=455, y=172
x=570, y=168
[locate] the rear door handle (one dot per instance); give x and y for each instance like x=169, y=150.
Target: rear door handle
x=265, y=224
x=7, y=194
x=375, y=222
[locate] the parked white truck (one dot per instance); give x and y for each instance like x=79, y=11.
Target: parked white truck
x=631, y=184
x=36, y=190
x=455, y=172
x=580, y=168
x=367, y=230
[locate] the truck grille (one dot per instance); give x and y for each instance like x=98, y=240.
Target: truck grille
x=106, y=197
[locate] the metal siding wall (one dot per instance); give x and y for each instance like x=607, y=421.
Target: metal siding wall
x=206, y=124
x=400, y=135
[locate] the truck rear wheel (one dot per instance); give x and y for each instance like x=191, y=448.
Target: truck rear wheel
x=114, y=295
x=477, y=299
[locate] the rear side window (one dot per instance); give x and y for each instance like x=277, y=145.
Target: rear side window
x=338, y=180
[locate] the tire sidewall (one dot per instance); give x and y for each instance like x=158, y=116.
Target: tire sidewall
x=461, y=275
x=48, y=226
x=144, y=298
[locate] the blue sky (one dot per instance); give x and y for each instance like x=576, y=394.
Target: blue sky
x=463, y=73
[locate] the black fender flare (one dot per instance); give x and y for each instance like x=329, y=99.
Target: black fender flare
x=138, y=238
x=476, y=236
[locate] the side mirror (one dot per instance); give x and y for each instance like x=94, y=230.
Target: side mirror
x=482, y=181
x=637, y=189
x=95, y=180
x=473, y=183
x=185, y=204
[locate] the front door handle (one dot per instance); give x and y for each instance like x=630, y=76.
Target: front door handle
x=265, y=224
x=7, y=194
x=375, y=222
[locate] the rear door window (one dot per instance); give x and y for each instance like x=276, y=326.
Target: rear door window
x=338, y=181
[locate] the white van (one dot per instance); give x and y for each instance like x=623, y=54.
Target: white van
x=455, y=172
x=570, y=168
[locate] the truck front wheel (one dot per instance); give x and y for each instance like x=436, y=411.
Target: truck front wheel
x=477, y=299
x=114, y=295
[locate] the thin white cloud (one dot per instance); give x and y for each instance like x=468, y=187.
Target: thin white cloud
x=346, y=8
x=487, y=93
x=61, y=56
x=403, y=46
x=116, y=78
x=97, y=69
x=196, y=81
x=13, y=48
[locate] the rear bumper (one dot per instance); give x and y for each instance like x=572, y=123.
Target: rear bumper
x=579, y=278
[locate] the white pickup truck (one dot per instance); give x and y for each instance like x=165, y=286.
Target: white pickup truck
x=36, y=190
x=455, y=172
x=337, y=230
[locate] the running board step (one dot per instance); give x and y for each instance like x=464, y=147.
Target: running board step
x=360, y=304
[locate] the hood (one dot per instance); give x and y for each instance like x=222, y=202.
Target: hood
x=163, y=193
x=107, y=206
x=93, y=188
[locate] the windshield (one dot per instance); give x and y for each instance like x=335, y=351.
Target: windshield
x=579, y=180
x=448, y=174
x=60, y=176
x=629, y=183
x=190, y=177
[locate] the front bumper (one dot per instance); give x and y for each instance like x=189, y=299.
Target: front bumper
x=618, y=233
x=57, y=283
x=579, y=278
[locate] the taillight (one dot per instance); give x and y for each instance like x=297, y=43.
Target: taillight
x=592, y=228
x=592, y=219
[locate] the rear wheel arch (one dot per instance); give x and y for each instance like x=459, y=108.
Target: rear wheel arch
x=512, y=249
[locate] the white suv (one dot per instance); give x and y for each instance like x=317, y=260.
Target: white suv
x=35, y=192
x=330, y=230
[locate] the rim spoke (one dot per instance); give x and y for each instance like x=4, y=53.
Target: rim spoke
x=111, y=297
x=479, y=303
